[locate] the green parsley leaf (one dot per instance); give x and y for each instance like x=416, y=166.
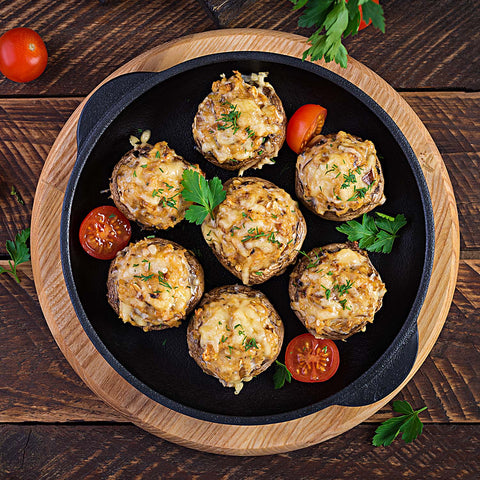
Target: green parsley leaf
x=335, y=20
x=281, y=375
x=18, y=251
x=207, y=194
x=409, y=424
x=374, y=234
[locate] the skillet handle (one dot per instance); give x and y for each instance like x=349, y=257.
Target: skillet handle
x=104, y=99
x=387, y=377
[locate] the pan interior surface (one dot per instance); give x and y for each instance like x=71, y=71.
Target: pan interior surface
x=158, y=362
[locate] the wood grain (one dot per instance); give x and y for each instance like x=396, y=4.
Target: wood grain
x=86, y=41
x=28, y=128
x=239, y=440
x=36, y=452
x=447, y=383
x=426, y=45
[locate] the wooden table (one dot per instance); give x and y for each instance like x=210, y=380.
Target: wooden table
x=52, y=426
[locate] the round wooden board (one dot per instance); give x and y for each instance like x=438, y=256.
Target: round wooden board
x=138, y=408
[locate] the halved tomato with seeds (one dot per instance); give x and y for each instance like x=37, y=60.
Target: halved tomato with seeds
x=104, y=232
x=311, y=359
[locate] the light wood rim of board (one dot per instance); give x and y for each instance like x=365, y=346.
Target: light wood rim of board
x=138, y=408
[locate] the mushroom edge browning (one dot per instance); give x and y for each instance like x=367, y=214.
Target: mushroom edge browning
x=154, y=284
x=335, y=291
x=235, y=334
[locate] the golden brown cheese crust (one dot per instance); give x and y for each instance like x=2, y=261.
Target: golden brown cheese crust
x=146, y=187
x=154, y=284
x=235, y=334
x=339, y=177
x=256, y=231
x=335, y=291
x=240, y=125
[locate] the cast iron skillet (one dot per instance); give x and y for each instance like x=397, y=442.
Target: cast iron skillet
x=372, y=364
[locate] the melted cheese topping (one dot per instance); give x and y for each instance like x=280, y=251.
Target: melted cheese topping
x=154, y=283
x=255, y=229
x=258, y=122
x=340, y=174
x=338, y=293
x=237, y=336
x=149, y=186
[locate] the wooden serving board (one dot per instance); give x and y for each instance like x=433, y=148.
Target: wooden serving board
x=138, y=408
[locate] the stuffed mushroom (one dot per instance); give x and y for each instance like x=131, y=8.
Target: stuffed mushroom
x=235, y=334
x=335, y=291
x=241, y=123
x=339, y=177
x=146, y=188
x=154, y=284
x=257, y=231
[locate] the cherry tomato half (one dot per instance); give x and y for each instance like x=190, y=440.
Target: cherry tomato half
x=306, y=122
x=104, y=232
x=23, y=55
x=311, y=359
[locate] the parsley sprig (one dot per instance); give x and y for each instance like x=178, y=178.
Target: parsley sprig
x=408, y=423
x=19, y=253
x=281, y=375
x=374, y=234
x=206, y=194
x=339, y=19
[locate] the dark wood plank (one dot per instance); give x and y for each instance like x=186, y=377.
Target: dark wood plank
x=225, y=12
x=442, y=452
x=87, y=41
x=428, y=44
x=28, y=128
x=447, y=383
x=36, y=382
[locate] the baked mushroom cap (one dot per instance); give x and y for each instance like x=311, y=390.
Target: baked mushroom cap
x=335, y=291
x=339, y=177
x=257, y=231
x=154, y=284
x=146, y=188
x=235, y=334
x=241, y=123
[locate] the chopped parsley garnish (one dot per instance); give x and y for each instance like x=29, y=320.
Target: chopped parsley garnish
x=252, y=343
x=135, y=173
x=144, y=165
x=144, y=278
x=162, y=281
x=230, y=119
x=348, y=179
x=343, y=289
x=328, y=292
x=157, y=154
x=207, y=194
x=374, y=234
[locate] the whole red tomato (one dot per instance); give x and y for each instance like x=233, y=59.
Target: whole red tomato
x=23, y=55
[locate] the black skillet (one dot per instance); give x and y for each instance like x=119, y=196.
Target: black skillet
x=372, y=364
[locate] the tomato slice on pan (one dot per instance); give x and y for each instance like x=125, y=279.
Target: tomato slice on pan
x=311, y=359
x=306, y=122
x=104, y=232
